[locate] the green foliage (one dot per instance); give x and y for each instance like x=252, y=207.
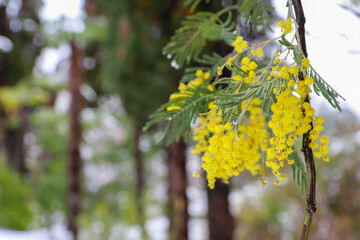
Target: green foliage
x=191, y=103
x=15, y=199
x=179, y=121
x=189, y=40
x=298, y=171
x=12, y=98
x=49, y=187
x=262, y=90
x=209, y=64
x=257, y=14
x=320, y=86
x=133, y=55
x=96, y=29
x=58, y=31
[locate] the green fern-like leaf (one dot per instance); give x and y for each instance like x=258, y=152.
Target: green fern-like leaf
x=320, y=86
x=189, y=40
x=261, y=90
x=209, y=63
x=211, y=60
x=298, y=170
x=182, y=119
x=257, y=14
x=179, y=121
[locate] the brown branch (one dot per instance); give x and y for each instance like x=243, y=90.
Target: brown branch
x=177, y=199
x=300, y=19
x=140, y=182
x=308, y=154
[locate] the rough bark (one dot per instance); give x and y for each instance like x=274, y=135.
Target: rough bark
x=308, y=153
x=177, y=199
x=11, y=137
x=13, y=141
x=221, y=222
x=74, y=159
x=140, y=182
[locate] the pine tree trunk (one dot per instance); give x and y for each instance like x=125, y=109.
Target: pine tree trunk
x=13, y=141
x=75, y=162
x=221, y=222
x=140, y=180
x=11, y=137
x=177, y=199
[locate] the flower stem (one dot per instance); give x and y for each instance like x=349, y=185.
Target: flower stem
x=308, y=154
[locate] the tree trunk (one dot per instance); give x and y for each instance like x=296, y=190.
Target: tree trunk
x=177, y=199
x=140, y=180
x=221, y=222
x=13, y=141
x=75, y=162
x=11, y=137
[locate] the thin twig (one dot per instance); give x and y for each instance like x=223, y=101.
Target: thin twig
x=308, y=154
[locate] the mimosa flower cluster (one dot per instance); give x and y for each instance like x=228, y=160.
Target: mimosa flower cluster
x=226, y=151
x=228, y=148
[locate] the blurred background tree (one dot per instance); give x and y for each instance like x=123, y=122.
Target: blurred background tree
x=22, y=44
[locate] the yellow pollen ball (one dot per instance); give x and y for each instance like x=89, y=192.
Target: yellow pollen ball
x=237, y=77
x=309, y=81
x=207, y=76
x=252, y=65
x=219, y=71
x=291, y=83
x=199, y=73
x=294, y=70
x=230, y=61
x=196, y=174
x=245, y=61
x=259, y=52
x=182, y=86
x=210, y=88
x=244, y=44
x=319, y=120
x=305, y=62
x=239, y=39
x=318, y=154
